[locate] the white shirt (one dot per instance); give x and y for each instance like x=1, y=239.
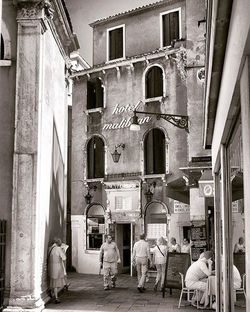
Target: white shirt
x=185, y=248
x=197, y=271
x=158, y=257
x=141, y=249
x=236, y=277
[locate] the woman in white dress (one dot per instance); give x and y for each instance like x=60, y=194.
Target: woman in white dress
x=160, y=259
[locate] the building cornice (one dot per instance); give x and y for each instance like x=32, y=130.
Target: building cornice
x=129, y=61
x=133, y=12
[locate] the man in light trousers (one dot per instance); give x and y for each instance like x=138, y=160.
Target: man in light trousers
x=109, y=258
x=141, y=256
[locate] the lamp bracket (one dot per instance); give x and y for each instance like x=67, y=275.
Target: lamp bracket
x=122, y=145
x=179, y=121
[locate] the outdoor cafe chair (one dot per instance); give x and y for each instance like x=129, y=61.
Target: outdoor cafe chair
x=187, y=291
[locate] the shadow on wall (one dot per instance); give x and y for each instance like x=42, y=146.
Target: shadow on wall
x=56, y=219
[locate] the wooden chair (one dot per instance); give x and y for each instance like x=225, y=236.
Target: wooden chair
x=241, y=290
x=187, y=291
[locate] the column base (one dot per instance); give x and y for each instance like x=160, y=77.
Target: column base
x=25, y=305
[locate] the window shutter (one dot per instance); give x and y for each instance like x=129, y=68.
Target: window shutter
x=159, y=151
x=174, y=25
x=154, y=152
x=154, y=82
x=119, y=43
x=99, y=93
x=149, y=153
x=116, y=43
x=2, y=48
x=171, y=30
x=91, y=101
x=90, y=160
x=99, y=158
x=166, y=30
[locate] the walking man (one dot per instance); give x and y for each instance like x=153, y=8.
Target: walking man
x=109, y=258
x=141, y=256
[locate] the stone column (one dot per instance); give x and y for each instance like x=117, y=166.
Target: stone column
x=25, y=292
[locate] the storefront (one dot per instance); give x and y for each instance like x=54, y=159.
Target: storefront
x=227, y=133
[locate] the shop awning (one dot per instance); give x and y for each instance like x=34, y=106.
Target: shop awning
x=178, y=190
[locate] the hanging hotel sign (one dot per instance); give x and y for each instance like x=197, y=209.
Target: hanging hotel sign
x=125, y=122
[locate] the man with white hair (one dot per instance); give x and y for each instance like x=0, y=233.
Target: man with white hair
x=198, y=272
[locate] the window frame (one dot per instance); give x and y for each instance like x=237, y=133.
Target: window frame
x=165, y=150
x=161, y=24
x=144, y=84
x=87, y=159
x=89, y=234
x=94, y=84
x=108, y=42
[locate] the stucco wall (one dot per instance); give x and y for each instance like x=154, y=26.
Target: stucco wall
x=144, y=27
x=125, y=90
x=52, y=146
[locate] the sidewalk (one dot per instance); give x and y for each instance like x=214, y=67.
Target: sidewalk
x=86, y=293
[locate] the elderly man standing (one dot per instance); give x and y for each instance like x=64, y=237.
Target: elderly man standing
x=141, y=256
x=109, y=258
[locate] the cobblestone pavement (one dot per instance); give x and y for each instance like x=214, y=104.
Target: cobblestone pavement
x=86, y=293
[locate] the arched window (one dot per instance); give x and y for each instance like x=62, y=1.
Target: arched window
x=156, y=217
x=95, y=226
x=95, y=156
x=94, y=94
x=154, y=82
x=154, y=152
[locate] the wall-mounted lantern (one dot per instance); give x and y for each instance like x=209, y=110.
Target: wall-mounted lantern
x=116, y=155
x=150, y=191
x=88, y=197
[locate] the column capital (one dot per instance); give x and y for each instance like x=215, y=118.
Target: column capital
x=30, y=10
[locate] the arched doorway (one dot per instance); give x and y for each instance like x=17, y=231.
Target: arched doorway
x=156, y=221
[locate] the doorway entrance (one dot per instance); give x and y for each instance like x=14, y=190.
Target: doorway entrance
x=123, y=240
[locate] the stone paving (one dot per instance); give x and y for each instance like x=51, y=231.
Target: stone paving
x=86, y=293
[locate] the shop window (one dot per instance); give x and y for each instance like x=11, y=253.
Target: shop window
x=170, y=27
x=116, y=43
x=154, y=152
x=94, y=94
x=95, y=227
x=154, y=82
x=95, y=154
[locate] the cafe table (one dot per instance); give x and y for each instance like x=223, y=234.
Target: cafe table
x=210, y=291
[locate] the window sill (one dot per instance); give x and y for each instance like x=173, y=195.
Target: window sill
x=95, y=180
x=95, y=110
x=116, y=60
x=155, y=176
x=92, y=251
x=155, y=99
x=5, y=62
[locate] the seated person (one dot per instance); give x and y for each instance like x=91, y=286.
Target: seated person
x=174, y=247
x=240, y=246
x=236, y=277
x=198, y=272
